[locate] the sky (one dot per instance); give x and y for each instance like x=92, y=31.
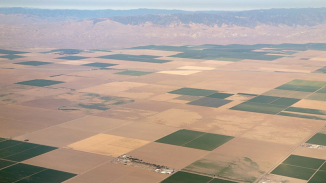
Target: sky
x=192, y=5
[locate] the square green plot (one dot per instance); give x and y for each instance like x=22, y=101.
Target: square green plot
x=210, y=102
x=16, y=149
x=319, y=177
x=263, y=99
x=293, y=171
x=319, y=139
x=285, y=101
x=317, y=96
x=53, y=176
x=208, y=141
x=220, y=95
x=185, y=177
x=33, y=63
x=99, y=64
x=11, y=57
x=40, y=82
x=133, y=73
x=18, y=171
x=180, y=137
x=72, y=58
x=8, y=143
x=5, y=163
x=24, y=155
x=302, y=161
x=193, y=92
x=259, y=108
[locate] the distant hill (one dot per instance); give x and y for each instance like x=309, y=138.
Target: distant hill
x=289, y=17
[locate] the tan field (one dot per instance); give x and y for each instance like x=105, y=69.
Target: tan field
x=175, y=114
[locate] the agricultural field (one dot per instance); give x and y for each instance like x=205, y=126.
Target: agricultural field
x=211, y=113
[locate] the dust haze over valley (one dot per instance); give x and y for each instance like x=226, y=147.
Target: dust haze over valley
x=162, y=95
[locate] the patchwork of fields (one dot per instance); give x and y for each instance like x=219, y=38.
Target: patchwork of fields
x=213, y=113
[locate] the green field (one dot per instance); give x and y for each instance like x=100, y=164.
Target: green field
x=319, y=177
x=33, y=63
x=317, y=96
x=323, y=90
x=180, y=137
x=248, y=94
x=293, y=171
x=65, y=51
x=5, y=163
x=319, y=139
x=48, y=175
x=263, y=99
x=300, y=116
x=208, y=141
x=11, y=52
x=323, y=168
x=72, y=58
x=259, y=108
x=137, y=58
x=302, y=85
x=285, y=101
x=19, y=151
x=302, y=161
x=18, y=171
x=185, y=177
x=24, y=173
x=40, y=82
x=306, y=110
x=221, y=181
x=11, y=57
x=195, y=139
x=188, y=97
x=321, y=70
x=193, y=92
x=98, y=64
x=133, y=73
x=220, y=95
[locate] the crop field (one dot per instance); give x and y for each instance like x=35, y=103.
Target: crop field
x=212, y=113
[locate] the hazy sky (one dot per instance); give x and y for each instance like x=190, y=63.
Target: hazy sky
x=164, y=4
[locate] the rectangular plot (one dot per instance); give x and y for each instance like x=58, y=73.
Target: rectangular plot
x=40, y=82
x=208, y=141
x=306, y=110
x=210, y=102
x=193, y=92
x=300, y=116
x=11, y=57
x=185, y=177
x=220, y=95
x=293, y=171
x=308, y=88
x=133, y=73
x=53, y=176
x=285, y=101
x=72, y=58
x=188, y=97
x=263, y=99
x=319, y=177
x=323, y=90
x=300, y=82
x=33, y=63
x=279, y=93
x=137, y=58
x=16, y=149
x=30, y=153
x=180, y=137
x=319, y=139
x=302, y=161
x=259, y=107
x=9, y=143
x=18, y=171
x=317, y=96
x=287, y=87
x=11, y=52
x=247, y=94
x=5, y=163
x=98, y=64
